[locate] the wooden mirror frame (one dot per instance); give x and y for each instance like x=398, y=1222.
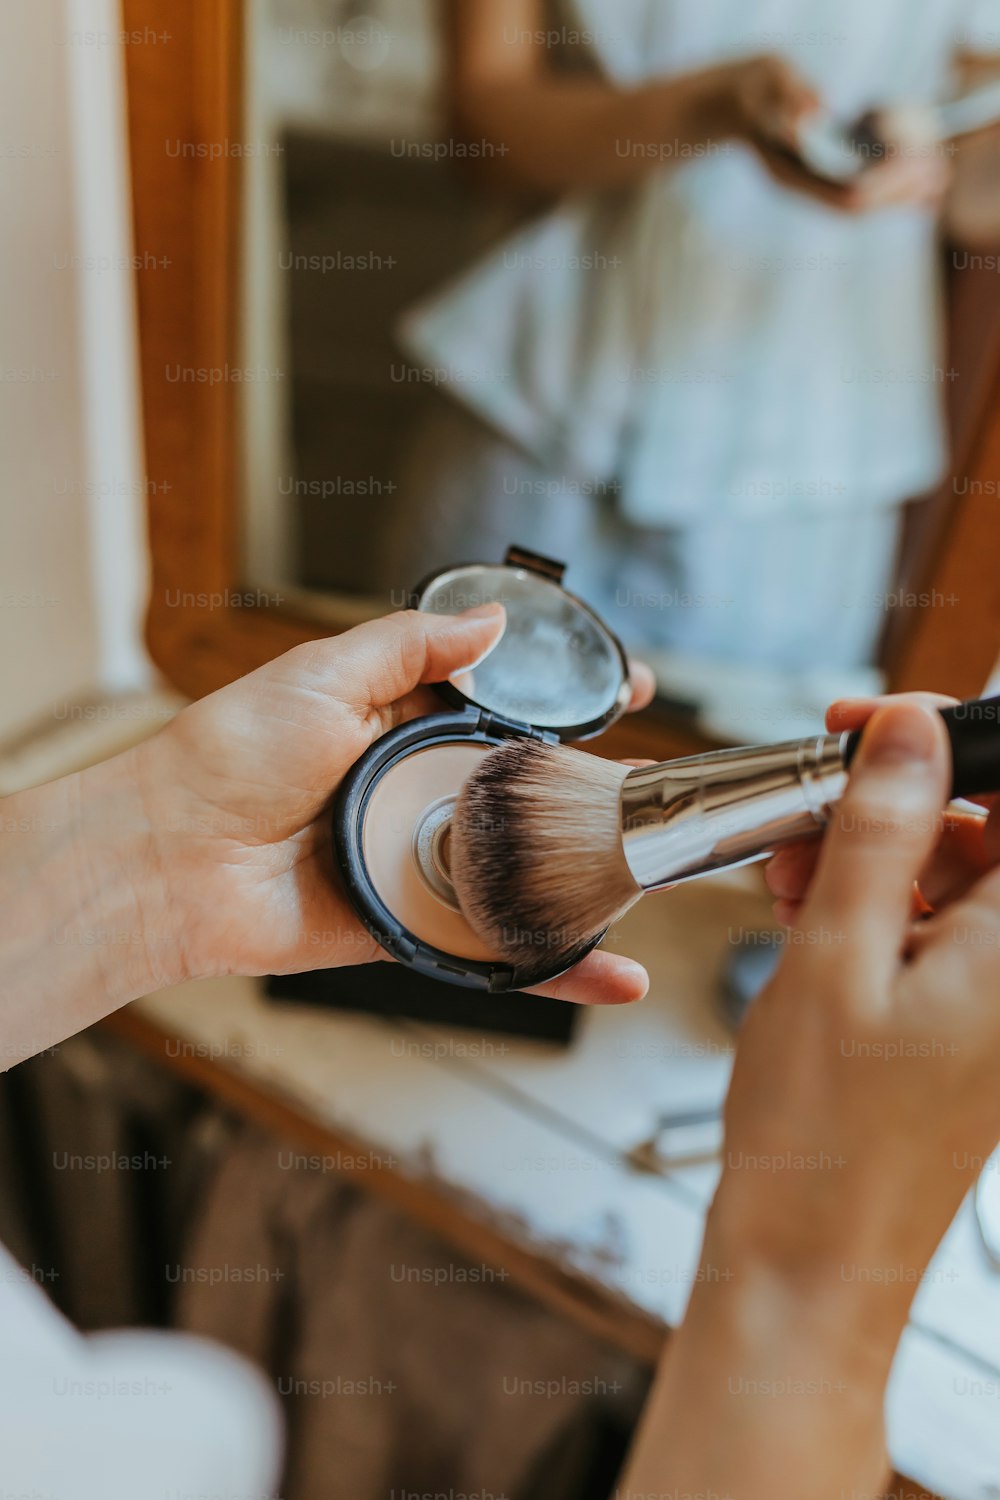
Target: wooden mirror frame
x=201, y=631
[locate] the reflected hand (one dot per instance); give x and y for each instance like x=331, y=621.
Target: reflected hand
x=914, y=170
x=772, y=101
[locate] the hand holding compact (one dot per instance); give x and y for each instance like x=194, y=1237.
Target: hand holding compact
x=238, y=788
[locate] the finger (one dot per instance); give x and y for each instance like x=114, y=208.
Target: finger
x=969, y=845
x=601, y=979
x=787, y=913
x=641, y=680
x=787, y=168
x=955, y=958
x=788, y=874
x=881, y=836
x=961, y=858
x=907, y=180
x=990, y=826
x=381, y=661
x=852, y=713
x=419, y=704
x=781, y=98
x=643, y=685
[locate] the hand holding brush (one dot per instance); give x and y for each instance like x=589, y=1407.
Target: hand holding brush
x=551, y=845
x=862, y=1107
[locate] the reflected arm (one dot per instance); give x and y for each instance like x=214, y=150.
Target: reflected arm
x=552, y=134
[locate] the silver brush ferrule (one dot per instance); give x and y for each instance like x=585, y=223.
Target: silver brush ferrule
x=688, y=817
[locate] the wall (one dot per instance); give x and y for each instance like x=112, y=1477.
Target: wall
x=72, y=565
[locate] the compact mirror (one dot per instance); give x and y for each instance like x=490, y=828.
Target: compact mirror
x=558, y=667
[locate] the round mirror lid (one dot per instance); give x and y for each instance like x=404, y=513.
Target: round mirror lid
x=557, y=667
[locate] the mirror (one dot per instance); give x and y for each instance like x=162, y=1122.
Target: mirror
x=721, y=400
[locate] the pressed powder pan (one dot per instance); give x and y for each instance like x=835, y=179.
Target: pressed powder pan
x=404, y=837
x=557, y=673
x=391, y=826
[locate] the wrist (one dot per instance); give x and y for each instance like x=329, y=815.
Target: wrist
x=84, y=922
x=847, y=1280
x=717, y=104
x=699, y=108
x=126, y=916
x=765, y=1388
x=796, y=1387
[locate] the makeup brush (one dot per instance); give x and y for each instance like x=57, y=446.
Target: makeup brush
x=550, y=845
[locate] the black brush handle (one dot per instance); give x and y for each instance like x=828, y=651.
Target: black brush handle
x=974, y=731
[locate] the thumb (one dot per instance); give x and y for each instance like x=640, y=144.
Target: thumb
x=384, y=660
x=881, y=834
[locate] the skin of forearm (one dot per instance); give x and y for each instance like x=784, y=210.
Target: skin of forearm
x=83, y=928
x=772, y=1389
x=557, y=135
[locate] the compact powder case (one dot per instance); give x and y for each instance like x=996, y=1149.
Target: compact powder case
x=558, y=673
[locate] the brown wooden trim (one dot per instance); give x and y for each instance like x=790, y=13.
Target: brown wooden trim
x=187, y=94
x=953, y=645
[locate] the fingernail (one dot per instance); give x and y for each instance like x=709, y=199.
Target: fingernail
x=638, y=978
x=845, y=706
x=482, y=612
x=473, y=617
x=785, y=859
x=901, y=735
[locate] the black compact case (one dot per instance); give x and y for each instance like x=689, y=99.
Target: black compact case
x=558, y=673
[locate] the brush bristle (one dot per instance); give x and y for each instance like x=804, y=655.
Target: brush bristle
x=536, y=853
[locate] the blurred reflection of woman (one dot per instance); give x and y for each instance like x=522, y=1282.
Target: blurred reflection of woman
x=705, y=376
